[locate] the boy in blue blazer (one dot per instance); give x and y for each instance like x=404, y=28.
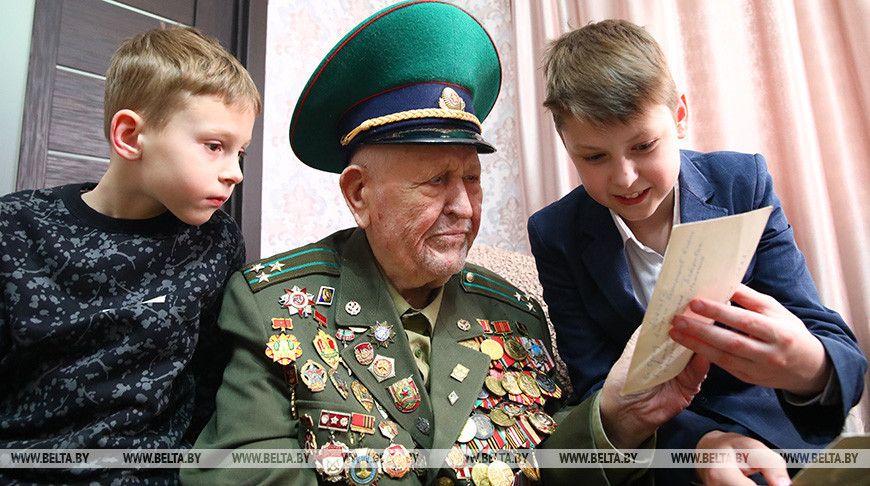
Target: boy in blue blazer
x=786, y=369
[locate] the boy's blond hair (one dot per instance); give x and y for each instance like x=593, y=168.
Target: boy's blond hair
x=151, y=74
x=606, y=72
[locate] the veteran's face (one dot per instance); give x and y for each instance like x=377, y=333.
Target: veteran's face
x=421, y=209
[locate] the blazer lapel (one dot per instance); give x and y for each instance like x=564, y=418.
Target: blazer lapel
x=450, y=418
x=695, y=192
x=604, y=256
x=361, y=281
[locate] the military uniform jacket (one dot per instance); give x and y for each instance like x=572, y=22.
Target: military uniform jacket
x=259, y=407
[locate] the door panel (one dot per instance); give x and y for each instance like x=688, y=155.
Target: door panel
x=91, y=30
x=77, y=117
x=62, y=138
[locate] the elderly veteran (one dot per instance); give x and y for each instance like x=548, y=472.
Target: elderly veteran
x=378, y=347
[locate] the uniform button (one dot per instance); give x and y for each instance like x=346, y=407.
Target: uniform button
x=444, y=481
x=418, y=352
x=469, y=277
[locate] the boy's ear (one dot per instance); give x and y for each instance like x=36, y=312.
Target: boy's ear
x=124, y=134
x=353, y=187
x=682, y=117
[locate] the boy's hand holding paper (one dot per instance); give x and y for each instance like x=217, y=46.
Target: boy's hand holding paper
x=705, y=259
x=771, y=347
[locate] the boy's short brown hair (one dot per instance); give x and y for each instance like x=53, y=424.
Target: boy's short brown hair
x=606, y=72
x=152, y=72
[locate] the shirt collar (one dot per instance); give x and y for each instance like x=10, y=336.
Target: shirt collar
x=430, y=312
x=625, y=231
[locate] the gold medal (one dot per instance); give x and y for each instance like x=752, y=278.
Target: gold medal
x=455, y=458
x=478, y=474
x=492, y=348
x=499, y=474
x=511, y=383
x=494, y=386
x=541, y=421
x=499, y=417
x=515, y=349
x=529, y=386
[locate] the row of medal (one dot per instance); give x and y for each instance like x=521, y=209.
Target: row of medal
x=511, y=359
x=509, y=413
x=335, y=460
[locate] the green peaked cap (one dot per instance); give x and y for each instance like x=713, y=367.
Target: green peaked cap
x=388, y=61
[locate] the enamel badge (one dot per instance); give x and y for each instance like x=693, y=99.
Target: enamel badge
x=362, y=423
x=281, y=323
x=340, y=383
x=362, y=394
x=364, y=353
x=396, y=461
x=327, y=349
x=345, y=335
x=324, y=296
x=283, y=348
x=382, y=334
x=383, y=367
x=296, y=300
x=331, y=420
x=405, y=394
x=330, y=460
x=352, y=307
x=313, y=375
x=389, y=429
x=459, y=372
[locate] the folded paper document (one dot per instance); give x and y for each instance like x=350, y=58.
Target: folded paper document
x=704, y=259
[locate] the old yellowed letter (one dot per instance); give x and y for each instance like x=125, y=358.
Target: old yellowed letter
x=703, y=259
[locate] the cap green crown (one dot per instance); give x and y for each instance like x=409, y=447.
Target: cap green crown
x=412, y=42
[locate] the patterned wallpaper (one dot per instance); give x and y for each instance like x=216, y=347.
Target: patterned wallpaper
x=300, y=204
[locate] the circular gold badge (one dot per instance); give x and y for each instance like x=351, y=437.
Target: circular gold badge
x=541, y=421
x=515, y=349
x=494, y=385
x=529, y=386
x=499, y=417
x=455, y=458
x=492, y=348
x=478, y=474
x=499, y=474
x=511, y=383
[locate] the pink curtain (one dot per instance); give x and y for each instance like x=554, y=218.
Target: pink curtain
x=782, y=78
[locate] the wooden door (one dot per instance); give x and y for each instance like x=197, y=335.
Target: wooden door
x=62, y=137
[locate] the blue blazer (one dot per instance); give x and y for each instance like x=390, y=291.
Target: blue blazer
x=587, y=286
